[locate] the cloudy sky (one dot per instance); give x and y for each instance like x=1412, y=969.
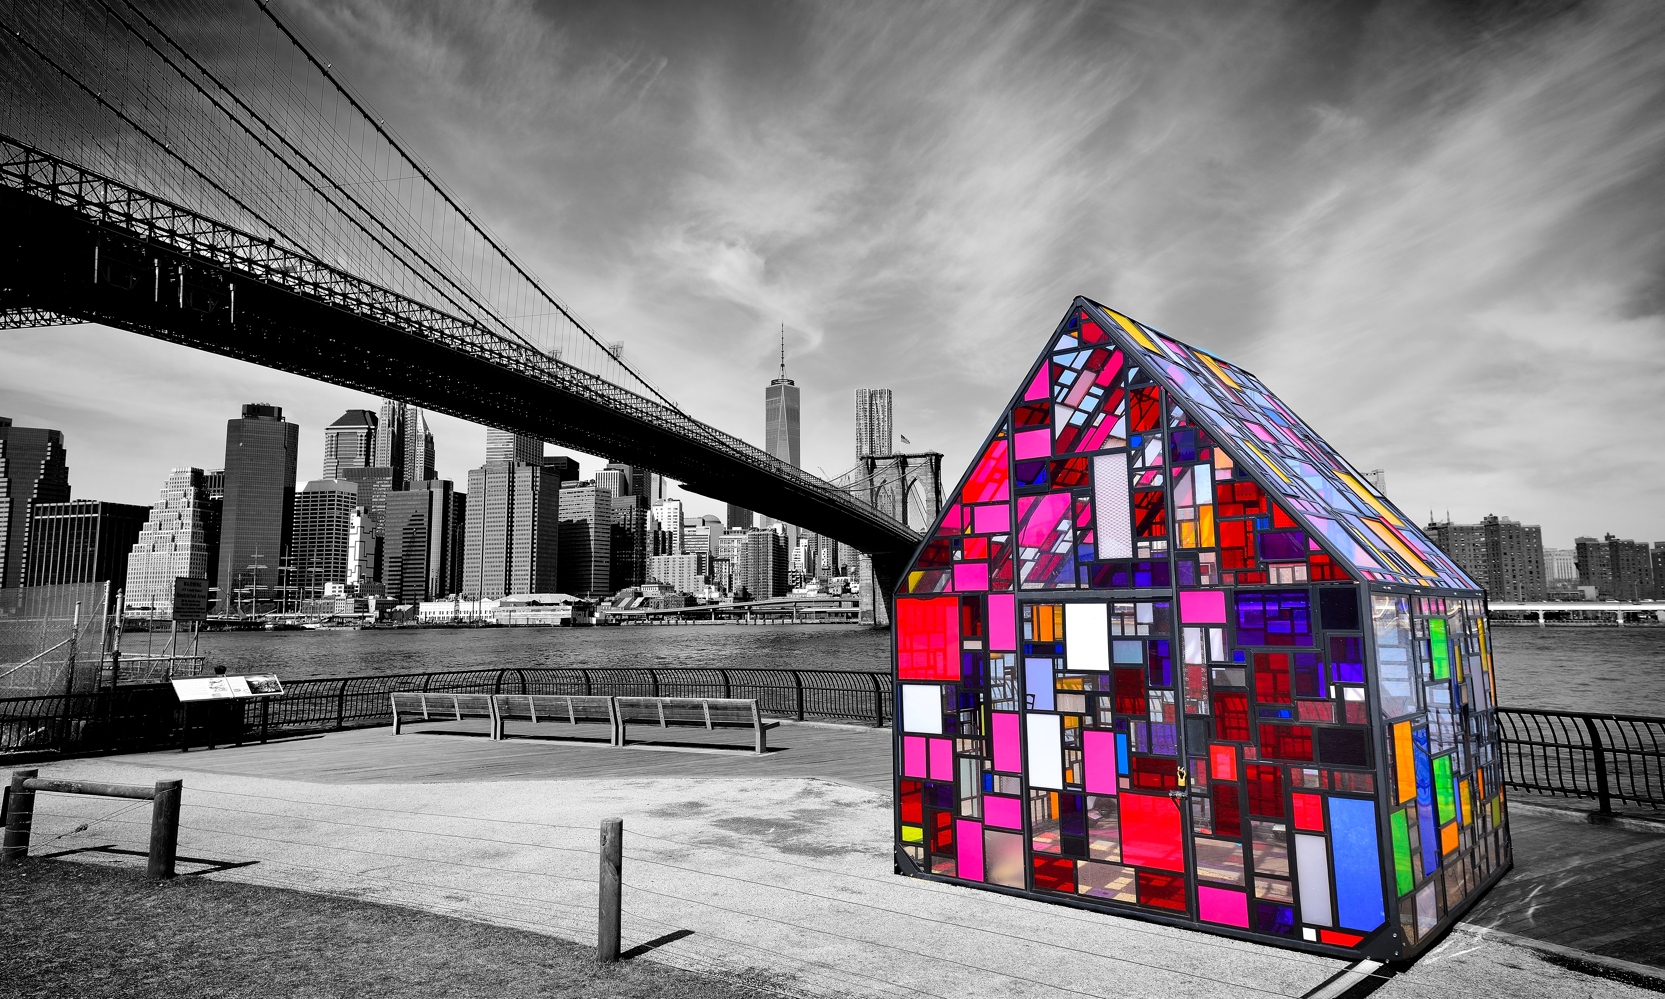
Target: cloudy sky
x=1438, y=230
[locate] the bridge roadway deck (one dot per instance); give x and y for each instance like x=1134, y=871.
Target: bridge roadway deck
x=1576, y=888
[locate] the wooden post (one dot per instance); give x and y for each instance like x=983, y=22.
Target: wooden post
x=20, y=818
x=164, y=829
x=612, y=862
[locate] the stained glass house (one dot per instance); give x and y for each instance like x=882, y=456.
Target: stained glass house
x=1167, y=654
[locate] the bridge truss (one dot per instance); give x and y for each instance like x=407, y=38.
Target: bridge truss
x=196, y=193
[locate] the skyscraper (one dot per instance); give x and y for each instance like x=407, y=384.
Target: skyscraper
x=213, y=516
x=172, y=543
x=322, y=535
x=873, y=423
x=667, y=518
x=631, y=542
x=615, y=479
x=33, y=469
x=512, y=530
x=586, y=540
x=390, y=437
x=82, y=541
x=419, y=447
x=424, y=528
x=349, y=442
x=738, y=518
x=780, y=413
x=258, y=522
x=501, y=445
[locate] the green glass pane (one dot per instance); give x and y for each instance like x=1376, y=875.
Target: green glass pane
x=1402, y=854
x=1444, y=796
x=1440, y=648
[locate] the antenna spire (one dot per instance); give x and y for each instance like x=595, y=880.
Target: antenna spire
x=783, y=352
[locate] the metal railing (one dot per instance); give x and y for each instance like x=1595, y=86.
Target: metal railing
x=1571, y=754
x=1609, y=759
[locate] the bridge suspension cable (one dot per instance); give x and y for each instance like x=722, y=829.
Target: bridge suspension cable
x=257, y=130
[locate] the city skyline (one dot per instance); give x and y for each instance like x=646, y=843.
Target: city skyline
x=1381, y=211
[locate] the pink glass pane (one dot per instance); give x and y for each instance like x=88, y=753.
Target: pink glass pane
x=1007, y=813
x=1202, y=606
x=990, y=480
x=1217, y=905
x=1002, y=623
x=942, y=759
x=913, y=756
x=971, y=576
x=1100, y=761
x=1007, y=756
x=994, y=519
x=1034, y=444
x=968, y=836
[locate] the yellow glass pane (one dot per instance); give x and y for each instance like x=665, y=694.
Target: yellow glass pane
x=1404, y=550
x=1133, y=330
x=1205, y=526
x=1468, y=804
x=1448, y=838
x=913, y=834
x=1187, y=534
x=1370, y=497
x=1219, y=372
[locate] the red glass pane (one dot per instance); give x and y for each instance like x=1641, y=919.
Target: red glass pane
x=913, y=802
x=1150, y=514
x=1145, y=409
x=1031, y=415
x=990, y=479
x=1228, y=810
x=1265, y=784
x=1281, y=519
x=1055, y=874
x=1309, y=811
x=1272, y=678
x=1162, y=891
x=1286, y=742
x=1130, y=696
x=1231, y=716
x=1153, y=774
x=1151, y=831
x=1069, y=473
x=928, y=638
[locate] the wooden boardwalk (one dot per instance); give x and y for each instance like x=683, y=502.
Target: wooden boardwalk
x=1595, y=889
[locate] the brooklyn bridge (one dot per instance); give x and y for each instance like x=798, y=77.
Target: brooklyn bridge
x=196, y=173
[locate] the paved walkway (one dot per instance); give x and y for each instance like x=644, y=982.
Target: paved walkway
x=780, y=862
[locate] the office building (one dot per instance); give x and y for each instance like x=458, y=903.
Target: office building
x=667, y=519
x=1561, y=572
x=565, y=467
x=1504, y=556
x=424, y=531
x=760, y=572
x=512, y=529
x=780, y=414
x=83, y=541
x=172, y=543
x=349, y=442
x=873, y=423
x=586, y=564
x=682, y=573
x=614, y=479
x=1658, y=558
x=374, y=485
x=632, y=544
x=258, y=520
x=419, y=447
x=362, y=548
x=321, y=538
x=502, y=445
x=1617, y=569
x=213, y=515
x=738, y=518
x=33, y=469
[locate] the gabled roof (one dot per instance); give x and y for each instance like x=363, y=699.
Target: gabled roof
x=355, y=418
x=1334, y=502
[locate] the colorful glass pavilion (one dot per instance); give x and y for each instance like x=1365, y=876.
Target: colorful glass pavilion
x=1166, y=653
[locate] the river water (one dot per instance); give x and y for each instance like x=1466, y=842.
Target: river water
x=1576, y=669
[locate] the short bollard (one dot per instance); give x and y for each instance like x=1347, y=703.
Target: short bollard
x=612, y=862
x=20, y=818
x=164, y=829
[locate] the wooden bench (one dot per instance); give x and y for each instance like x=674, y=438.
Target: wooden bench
x=432, y=706
x=567, y=709
x=701, y=712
